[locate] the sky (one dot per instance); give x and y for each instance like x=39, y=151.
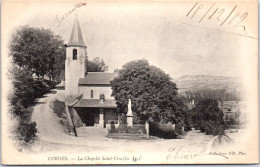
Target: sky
x=159, y=32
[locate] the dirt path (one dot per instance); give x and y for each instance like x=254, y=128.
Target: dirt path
x=48, y=127
x=51, y=134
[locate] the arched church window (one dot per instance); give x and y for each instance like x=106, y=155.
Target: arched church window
x=91, y=94
x=75, y=52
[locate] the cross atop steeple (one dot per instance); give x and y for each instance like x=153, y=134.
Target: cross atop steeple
x=76, y=38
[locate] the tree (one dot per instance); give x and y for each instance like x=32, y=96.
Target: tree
x=33, y=51
x=39, y=50
x=208, y=117
x=22, y=91
x=97, y=65
x=25, y=89
x=153, y=94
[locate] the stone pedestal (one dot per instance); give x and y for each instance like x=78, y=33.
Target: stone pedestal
x=101, y=118
x=129, y=120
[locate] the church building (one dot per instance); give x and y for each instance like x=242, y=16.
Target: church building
x=87, y=94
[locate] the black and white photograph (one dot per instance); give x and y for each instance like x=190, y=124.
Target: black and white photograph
x=129, y=82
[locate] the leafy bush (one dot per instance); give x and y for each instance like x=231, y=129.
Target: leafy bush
x=212, y=128
x=162, y=130
x=179, y=128
x=59, y=109
x=121, y=128
x=41, y=87
x=207, y=117
x=187, y=120
x=122, y=119
x=25, y=89
x=26, y=132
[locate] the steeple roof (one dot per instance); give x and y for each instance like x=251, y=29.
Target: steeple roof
x=76, y=35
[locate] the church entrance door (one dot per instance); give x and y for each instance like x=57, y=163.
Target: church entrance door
x=91, y=117
x=88, y=116
x=90, y=120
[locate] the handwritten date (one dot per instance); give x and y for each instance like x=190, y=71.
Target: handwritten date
x=221, y=15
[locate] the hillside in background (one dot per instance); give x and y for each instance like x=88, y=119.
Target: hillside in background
x=207, y=82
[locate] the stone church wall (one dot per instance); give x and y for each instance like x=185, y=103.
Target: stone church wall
x=97, y=90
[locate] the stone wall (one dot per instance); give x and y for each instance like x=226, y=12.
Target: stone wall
x=97, y=90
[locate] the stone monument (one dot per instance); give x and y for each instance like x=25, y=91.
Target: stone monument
x=129, y=114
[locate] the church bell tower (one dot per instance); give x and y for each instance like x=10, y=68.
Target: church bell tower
x=75, y=63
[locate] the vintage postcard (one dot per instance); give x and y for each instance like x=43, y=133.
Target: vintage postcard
x=129, y=82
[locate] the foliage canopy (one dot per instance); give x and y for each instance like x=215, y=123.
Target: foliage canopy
x=39, y=50
x=208, y=117
x=96, y=65
x=153, y=94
